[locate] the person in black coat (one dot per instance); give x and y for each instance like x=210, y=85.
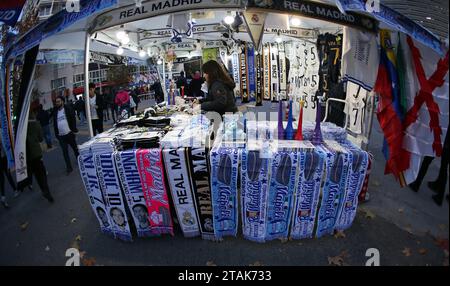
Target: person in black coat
x=96, y=108
x=65, y=124
x=220, y=96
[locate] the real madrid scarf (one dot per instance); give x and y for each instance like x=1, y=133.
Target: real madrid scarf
x=110, y=185
x=274, y=72
x=337, y=164
x=199, y=172
x=224, y=173
x=150, y=166
x=267, y=92
x=254, y=194
x=88, y=173
x=259, y=81
x=283, y=72
x=251, y=72
x=236, y=72
x=280, y=200
x=307, y=192
x=180, y=187
x=244, y=75
x=356, y=175
x=132, y=187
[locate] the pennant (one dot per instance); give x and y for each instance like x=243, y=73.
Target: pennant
x=255, y=23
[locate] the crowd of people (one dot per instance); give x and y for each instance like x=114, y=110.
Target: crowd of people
x=110, y=103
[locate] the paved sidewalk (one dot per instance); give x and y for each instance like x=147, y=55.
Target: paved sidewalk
x=407, y=228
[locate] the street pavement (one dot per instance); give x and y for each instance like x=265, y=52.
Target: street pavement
x=406, y=228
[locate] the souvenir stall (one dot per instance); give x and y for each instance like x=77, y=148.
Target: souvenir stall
x=298, y=175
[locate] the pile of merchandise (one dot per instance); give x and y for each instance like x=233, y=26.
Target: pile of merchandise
x=142, y=180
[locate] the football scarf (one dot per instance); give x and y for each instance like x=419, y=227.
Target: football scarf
x=274, y=72
x=89, y=176
x=283, y=72
x=356, y=175
x=180, y=187
x=151, y=170
x=254, y=194
x=224, y=175
x=307, y=191
x=244, y=75
x=200, y=174
x=267, y=91
x=337, y=164
x=259, y=80
x=236, y=73
x=280, y=199
x=130, y=180
x=110, y=185
x=251, y=72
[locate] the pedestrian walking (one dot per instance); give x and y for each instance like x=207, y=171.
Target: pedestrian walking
x=65, y=128
x=44, y=119
x=35, y=164
x=4, y=172
x=96, y=108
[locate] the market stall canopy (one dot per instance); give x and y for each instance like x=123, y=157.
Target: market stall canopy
x=97, y=16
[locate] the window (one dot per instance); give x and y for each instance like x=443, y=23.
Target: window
x=78, y=80
x=58, y=86
x=45, y=11
x=98, y=76
x=59, y=83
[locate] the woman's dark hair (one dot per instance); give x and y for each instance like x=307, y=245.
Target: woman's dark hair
x=216, y=72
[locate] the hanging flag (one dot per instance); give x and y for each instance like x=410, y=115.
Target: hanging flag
x=10, y=11
x=389, y=114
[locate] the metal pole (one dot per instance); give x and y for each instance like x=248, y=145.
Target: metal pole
x=86, y=83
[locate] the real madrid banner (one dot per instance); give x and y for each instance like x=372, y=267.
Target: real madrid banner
x=26, y=86
x=180, y=187
x=156, y=8
x=318, y=11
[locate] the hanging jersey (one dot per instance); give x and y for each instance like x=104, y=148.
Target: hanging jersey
x=360, y=58
x=355, y=106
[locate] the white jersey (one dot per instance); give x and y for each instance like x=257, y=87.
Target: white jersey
x=355, y=107
x=360, y=58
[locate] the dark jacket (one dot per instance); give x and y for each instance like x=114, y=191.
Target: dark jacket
x=70, y=116
x=34, y=137
x=220, y=99
x=43, y=117
x=195, y=88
